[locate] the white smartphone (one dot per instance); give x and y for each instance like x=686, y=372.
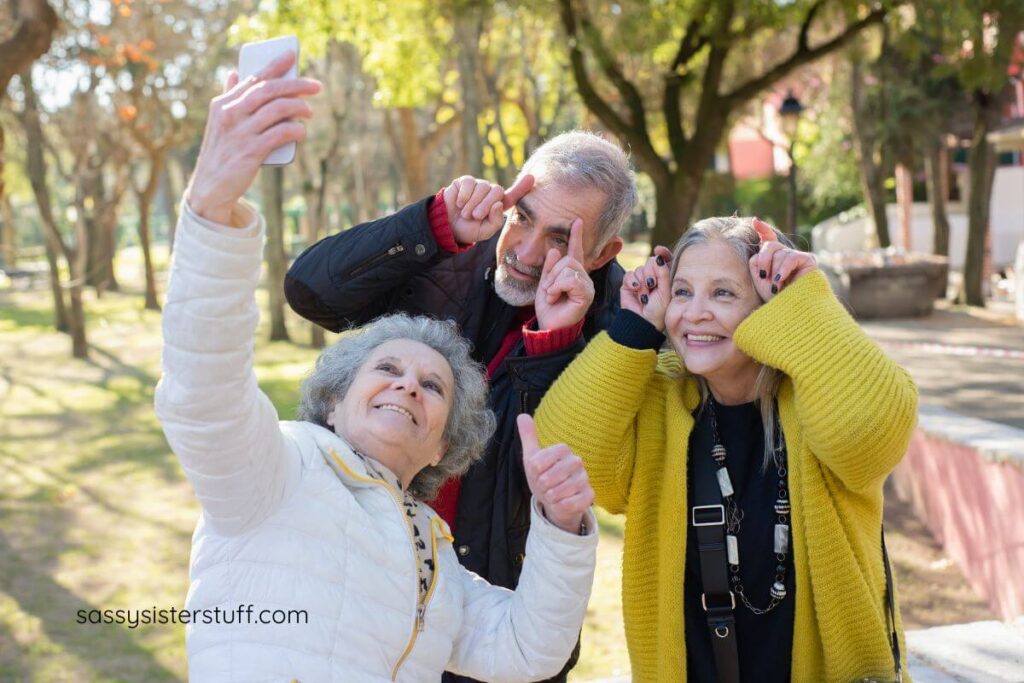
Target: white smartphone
x=252, y=58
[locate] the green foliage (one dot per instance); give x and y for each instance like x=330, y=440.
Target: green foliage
x=403, y=45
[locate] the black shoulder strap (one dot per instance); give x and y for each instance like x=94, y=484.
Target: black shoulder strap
x=890, y=602
x=708, y=520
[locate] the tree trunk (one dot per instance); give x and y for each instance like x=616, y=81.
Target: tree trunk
x=8, y=252
x=35, y=164
x=415, y=162
x=869, y=160
x=981, y=166
x=171, y=196
x=272, y=186
x=157, y=161
x=60, y=311
x=468, y=26
x=935, y=182
x=35, y=24
x=676, y=203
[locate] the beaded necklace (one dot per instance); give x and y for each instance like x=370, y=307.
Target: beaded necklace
x=734, y=516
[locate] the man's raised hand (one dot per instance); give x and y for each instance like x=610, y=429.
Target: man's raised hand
x=565, y=290
x=475, y=207
x=556, y=477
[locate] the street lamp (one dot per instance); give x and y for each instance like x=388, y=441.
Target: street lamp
x=789, y=113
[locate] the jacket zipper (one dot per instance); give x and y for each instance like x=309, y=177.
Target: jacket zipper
x=392, y=251
x=421, y=607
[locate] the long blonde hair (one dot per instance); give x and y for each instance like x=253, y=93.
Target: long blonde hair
x=739, y=233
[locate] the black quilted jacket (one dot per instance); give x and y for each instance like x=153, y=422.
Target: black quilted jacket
x=394, y=265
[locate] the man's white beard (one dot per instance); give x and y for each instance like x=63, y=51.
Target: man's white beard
x=512, y=291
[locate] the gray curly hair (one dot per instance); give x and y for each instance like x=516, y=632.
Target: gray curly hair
x=470, y=422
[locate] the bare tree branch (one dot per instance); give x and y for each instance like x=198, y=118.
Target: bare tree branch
x=803, y=54
x=637, y=136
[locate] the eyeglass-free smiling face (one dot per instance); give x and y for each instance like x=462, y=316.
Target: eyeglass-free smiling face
x=397, y=407
x=712, y=293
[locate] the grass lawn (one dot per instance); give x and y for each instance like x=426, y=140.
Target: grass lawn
x=96, y=514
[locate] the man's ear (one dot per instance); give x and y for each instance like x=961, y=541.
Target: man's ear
x=609, y=251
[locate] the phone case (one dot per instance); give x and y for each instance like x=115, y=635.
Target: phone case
x=252, y=58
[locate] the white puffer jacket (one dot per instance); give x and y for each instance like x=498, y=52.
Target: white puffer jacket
x=282, y=529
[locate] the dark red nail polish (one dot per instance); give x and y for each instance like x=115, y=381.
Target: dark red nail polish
x=643, y=299
x=635, y=283
x=775, y=289
x=763, y=274
x=650, y=282
x=777, y=276
x=660, y=261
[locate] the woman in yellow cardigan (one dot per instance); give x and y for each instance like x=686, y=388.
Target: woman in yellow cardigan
x=787, y=417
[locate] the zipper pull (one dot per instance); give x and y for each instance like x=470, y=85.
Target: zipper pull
x=421, y=611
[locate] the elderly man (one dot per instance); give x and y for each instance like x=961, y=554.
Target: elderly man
x=517, y=288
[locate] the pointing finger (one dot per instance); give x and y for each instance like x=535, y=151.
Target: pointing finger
x=519, y=190
x=549, y=262
x=527, y=434
x=764, y=231
x=576, y=240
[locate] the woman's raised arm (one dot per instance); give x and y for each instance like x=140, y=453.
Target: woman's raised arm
x=223, y=429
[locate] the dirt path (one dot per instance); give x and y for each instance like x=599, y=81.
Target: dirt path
x=932, y=590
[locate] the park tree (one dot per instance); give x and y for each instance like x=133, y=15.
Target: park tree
x=982, y=40
x=669, y=78
x=28, y=30
x=74, y=252
x=158, y=60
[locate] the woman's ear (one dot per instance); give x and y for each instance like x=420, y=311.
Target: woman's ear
x=440, y=454
x=330, y=416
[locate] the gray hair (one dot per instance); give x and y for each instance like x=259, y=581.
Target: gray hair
x=739, y=233
x=580, y=159
x=470, y=422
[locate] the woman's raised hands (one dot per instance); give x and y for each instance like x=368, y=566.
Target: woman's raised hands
x=776, y=265
x=646, y=290
x=247, y=122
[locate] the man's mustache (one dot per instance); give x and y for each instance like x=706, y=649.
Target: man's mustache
x=511, y=260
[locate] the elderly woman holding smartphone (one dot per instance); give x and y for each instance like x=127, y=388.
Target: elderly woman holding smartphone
x=324, y=517
x=748, y=459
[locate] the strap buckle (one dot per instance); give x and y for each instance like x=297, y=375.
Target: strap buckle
x=704, y=602
x=709, y=515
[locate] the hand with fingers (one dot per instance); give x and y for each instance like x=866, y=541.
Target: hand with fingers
x=647, y=291
x=565, y=290
x=557, y=479
x=246, y=122
x=475, y=207
x=776, y=265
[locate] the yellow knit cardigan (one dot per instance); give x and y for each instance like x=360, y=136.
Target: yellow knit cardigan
x=847, y=412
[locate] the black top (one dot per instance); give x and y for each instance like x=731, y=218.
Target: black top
x=765, y=642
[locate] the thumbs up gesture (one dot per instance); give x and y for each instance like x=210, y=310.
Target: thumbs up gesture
x=557, y=479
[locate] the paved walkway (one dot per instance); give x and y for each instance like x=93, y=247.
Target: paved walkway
x=982, y=652
x=969, y=363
